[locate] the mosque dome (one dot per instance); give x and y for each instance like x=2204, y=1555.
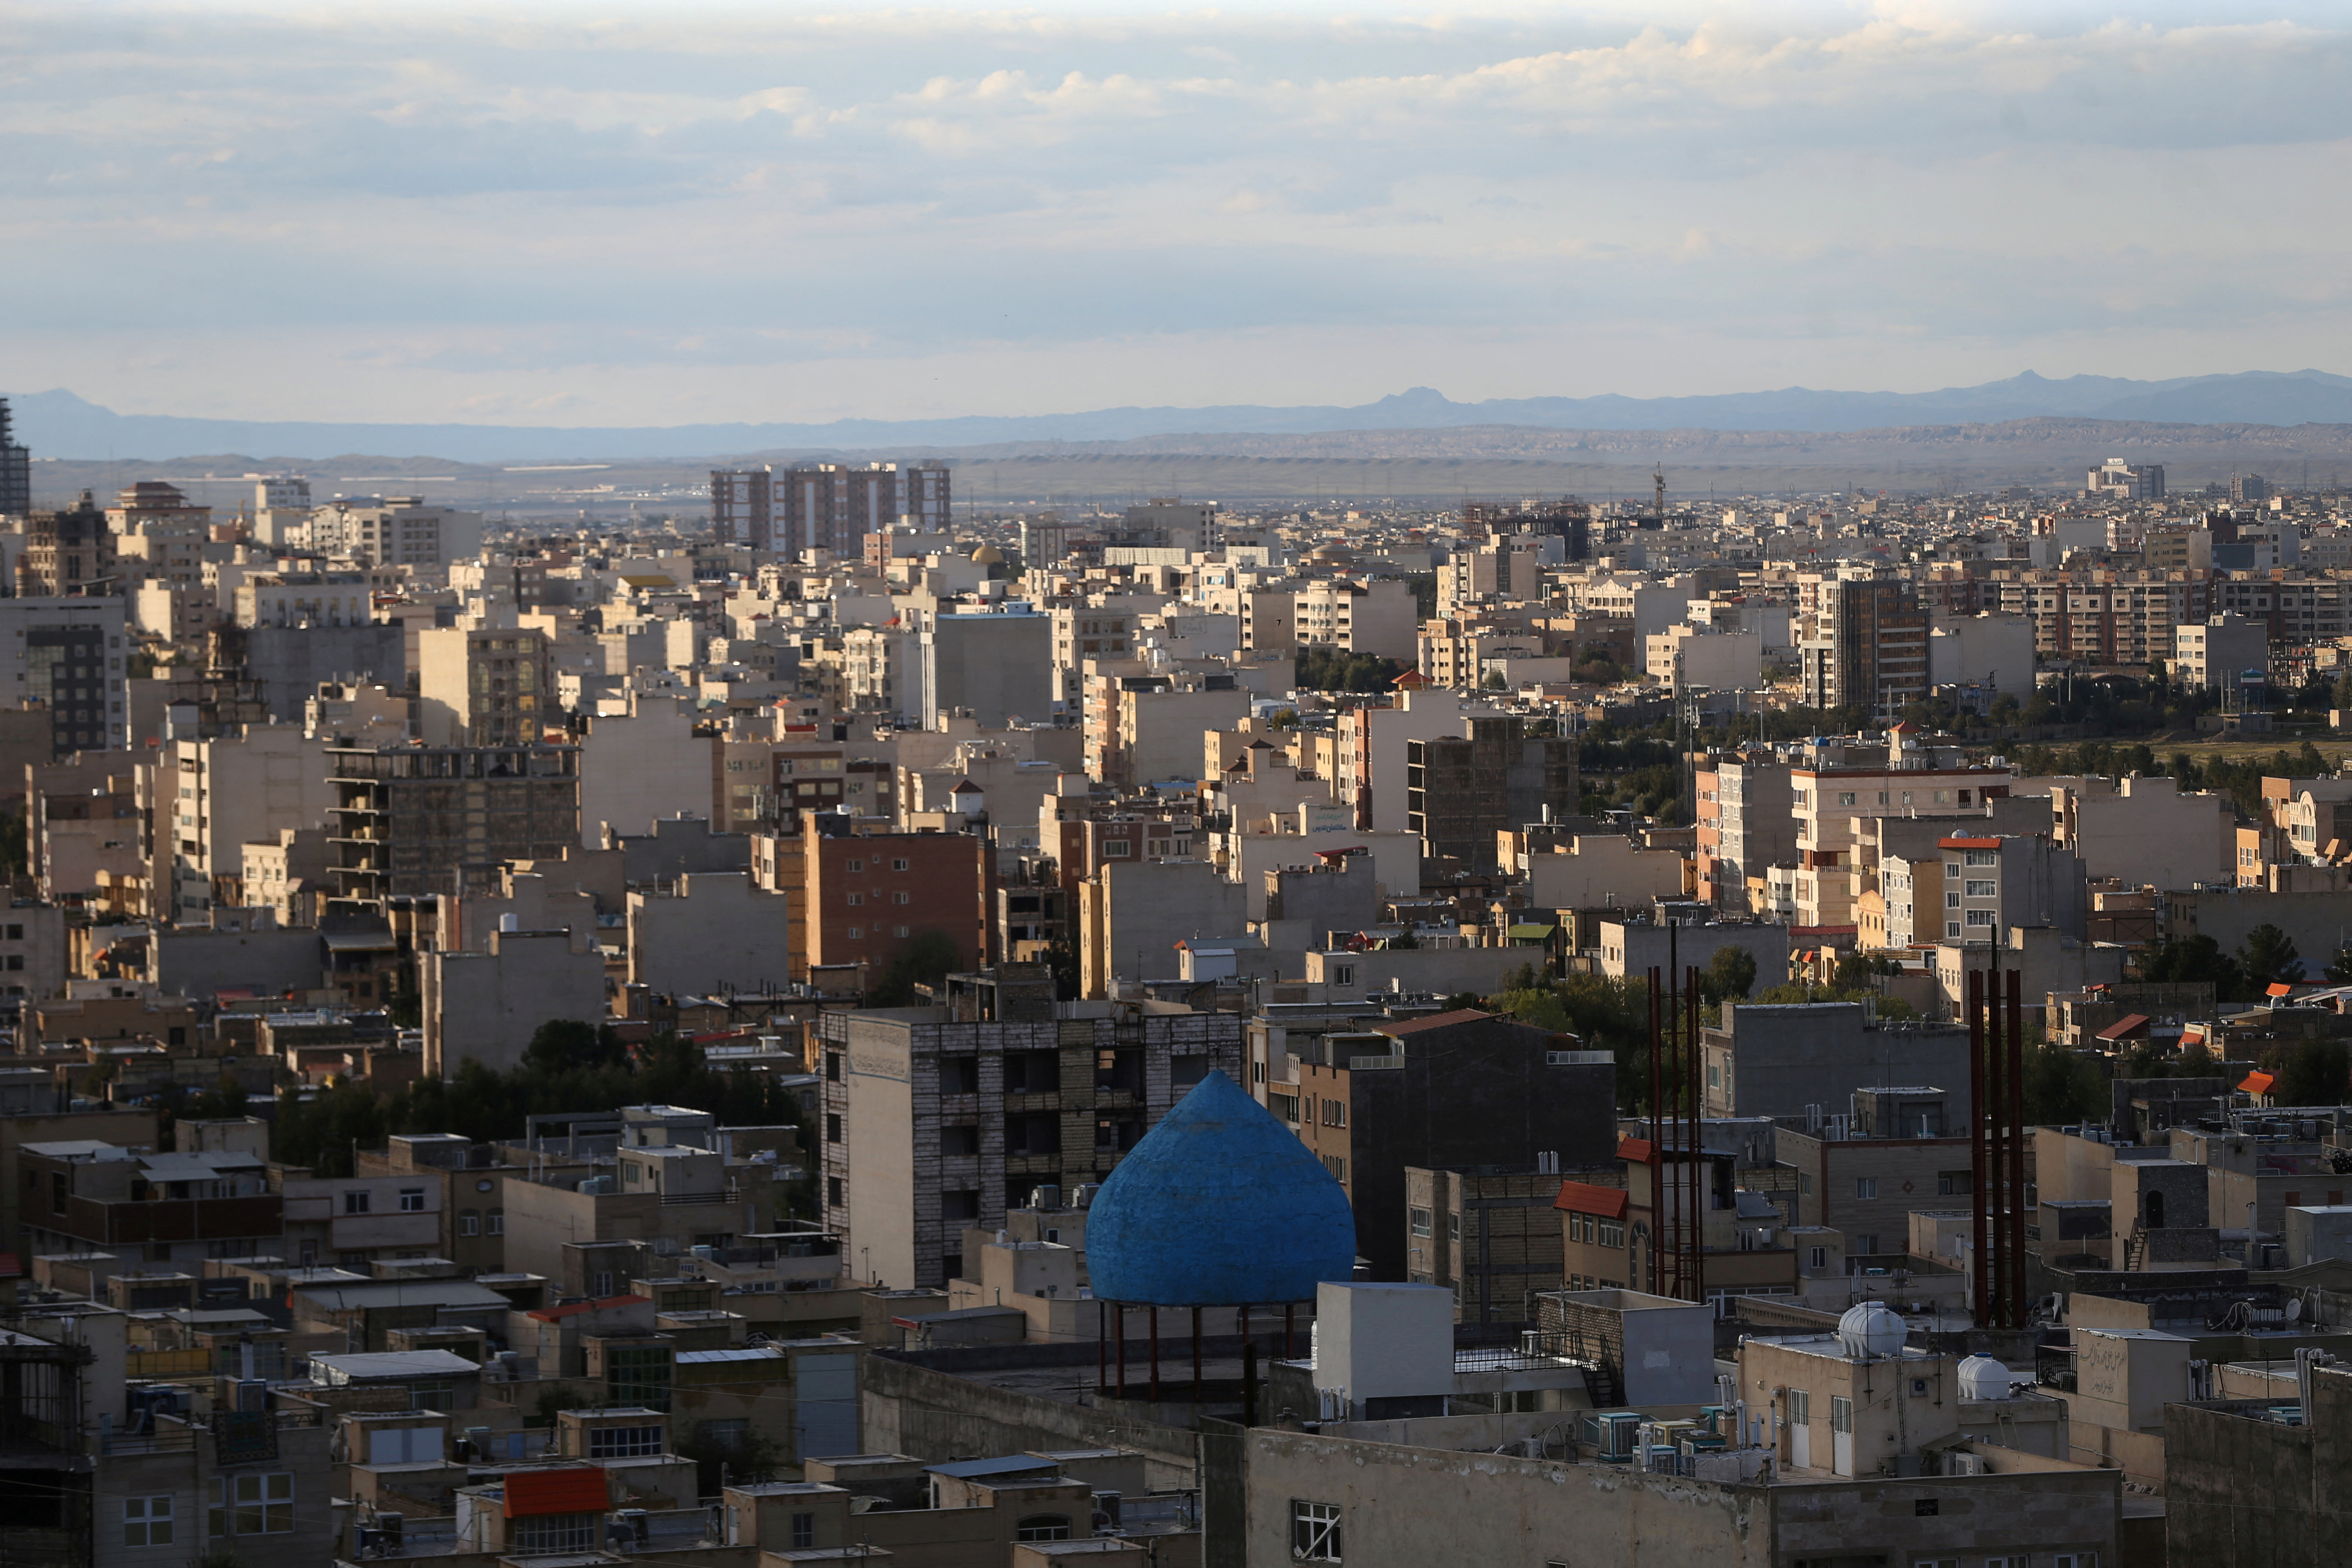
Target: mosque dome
x=988, y=556
x=1218, y=1205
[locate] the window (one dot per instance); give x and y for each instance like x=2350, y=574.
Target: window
x=253, y=1504
x=2075, y=1559
x=854, y=900
x=624, y=1442
x=1343, y=974
x=1612, y=1232
x=1845, y=797
x=1952, y=928
x=853, y=933
x=902, y=898
x=1841, y=1413
x=1984, y=856
x=498, y=1222
x=1801, y=1407
x=857, y=865
x=1983, y=917
x=469, y=1221
x=1453, y=1227
x=412, y=1200
x=1983, y=887
x=1335, y=1113
x=1314, y=1532
x=553, y=1533
x=1804, y=1184
x=1043, y=1527
x=1421, y=1221
x=897, y=865
x=804, y=1532
x=832, y=1128
x=1817, y=1258
x=147, y=1520
x=1951, y=898
x=1865, y=1186
x=1338, y=1165
x=355, y=1202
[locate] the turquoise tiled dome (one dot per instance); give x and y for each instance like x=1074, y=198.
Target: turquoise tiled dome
x=1218, y=1205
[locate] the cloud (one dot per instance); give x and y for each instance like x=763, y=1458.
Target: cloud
x=521, y=190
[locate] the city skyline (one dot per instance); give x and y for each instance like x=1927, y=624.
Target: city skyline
x=710, y=212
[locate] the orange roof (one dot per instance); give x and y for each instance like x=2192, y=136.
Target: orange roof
x=2278, y=988
x=1968, y=843
x=1582, y=1197
x=2123, y=1027
x=549, y=1314
x=1635, y=1148
x=2256, y=1083
x=575, y=1489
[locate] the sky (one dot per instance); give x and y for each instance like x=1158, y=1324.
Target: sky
x=580, y=213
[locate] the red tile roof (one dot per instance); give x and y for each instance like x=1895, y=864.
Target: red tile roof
x=1582, y=1197
x=576, y=1489
x=1635, y=1149
x=549, y=1314
x=2127, y=1024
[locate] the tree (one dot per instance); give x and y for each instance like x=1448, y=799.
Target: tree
x=2061, y=1086
x=2344, y=688
x=2314, y=1074
x=2191, y=960
x=2269, y=955
x=1729, y=975
x=567, y=1045
x=926, y=960
x=2339, y=968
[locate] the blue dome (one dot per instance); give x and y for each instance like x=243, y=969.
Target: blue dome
x=1219, y=1205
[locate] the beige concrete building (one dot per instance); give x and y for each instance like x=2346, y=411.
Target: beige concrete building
x=710, y=933
x=484, y=1007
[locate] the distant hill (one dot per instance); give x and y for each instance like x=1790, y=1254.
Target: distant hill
x=57, y=424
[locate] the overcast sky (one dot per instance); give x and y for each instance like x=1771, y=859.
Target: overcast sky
x=587, y=213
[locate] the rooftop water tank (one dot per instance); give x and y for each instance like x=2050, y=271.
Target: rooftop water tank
x=1870, y=1331
x=1981, y=1377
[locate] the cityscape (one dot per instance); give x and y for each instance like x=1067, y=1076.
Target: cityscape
x=784, y=843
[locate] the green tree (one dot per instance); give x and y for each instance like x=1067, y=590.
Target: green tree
x=2339, y=968
x=1729, y=975
x=2268, y=955
x=2343, y=693
x=926, y=960
x=2314, y=1074
x=2061, y=1086
x=2191, y=960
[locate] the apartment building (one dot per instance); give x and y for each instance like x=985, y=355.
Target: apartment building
x=2115, y=616
x=742, y=508
x=65, y=654
x=1868, y=647
x=410, y=820
x=484, y=684
x=1830, y=797
x=215, y=795
x=1745, y=823
x=1461, y=792
x=834, y=506
x=396, y=531
x=940, y=1118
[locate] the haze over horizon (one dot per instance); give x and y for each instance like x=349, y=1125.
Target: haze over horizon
x=276, y=210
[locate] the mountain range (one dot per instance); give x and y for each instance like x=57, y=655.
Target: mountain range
x=57, y=424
